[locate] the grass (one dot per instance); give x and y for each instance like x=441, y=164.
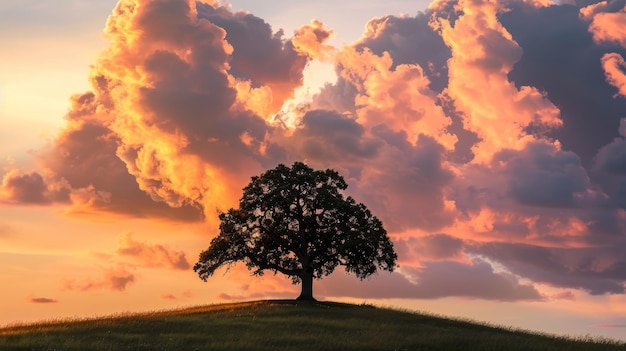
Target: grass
x=282, y=325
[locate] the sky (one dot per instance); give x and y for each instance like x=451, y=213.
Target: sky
x=488, y=136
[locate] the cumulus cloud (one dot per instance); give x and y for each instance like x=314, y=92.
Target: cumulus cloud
x=541, y=175
x=31, y=188
x=147, y=255
x=610, y=170
x=569, y=72
x=483, y=53
x=308, y=40
x=409, y=40
x=607, y=25
x=471, y=130
x=327, y=136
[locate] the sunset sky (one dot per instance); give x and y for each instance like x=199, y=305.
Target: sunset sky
x=488, y=136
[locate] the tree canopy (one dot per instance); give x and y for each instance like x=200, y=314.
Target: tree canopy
x=295, y=221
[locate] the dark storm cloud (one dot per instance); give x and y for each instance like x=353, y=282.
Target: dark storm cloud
x=539, y=175
x=610, y=169
x=413, y=178
x=330, y=136
x=561, y=58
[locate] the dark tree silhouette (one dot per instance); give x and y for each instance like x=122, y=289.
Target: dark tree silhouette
x=295, y=221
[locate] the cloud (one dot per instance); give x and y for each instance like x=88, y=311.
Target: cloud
x=147, y=255
x=569, y=72
x=327, y=136
x=483, y=54
x=308, y=40
x=410, y=180
x=83, y=158
x=607, y=26
x=30, y=188
x=611, y=158
x=44, y=300
x=614, y=67
x=610, y=170
x=479, y=132
x=428, y=248
x=541, y=175
x=594, y=269
x=114, y=279
x=434, y=280
x=263, y=57
x=409, y=40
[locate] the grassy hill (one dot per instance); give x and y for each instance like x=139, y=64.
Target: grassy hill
x=281, y=325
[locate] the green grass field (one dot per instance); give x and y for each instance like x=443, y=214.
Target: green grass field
x=282, y=325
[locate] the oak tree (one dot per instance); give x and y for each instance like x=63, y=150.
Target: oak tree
x=295, y=221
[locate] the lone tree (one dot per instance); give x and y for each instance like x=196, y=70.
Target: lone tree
x=295, y=221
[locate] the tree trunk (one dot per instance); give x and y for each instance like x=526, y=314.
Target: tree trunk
x=307, y=287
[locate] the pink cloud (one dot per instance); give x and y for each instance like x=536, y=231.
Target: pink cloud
x=114, y=279
x=615, y=71
x=148, y=255
x=607, y=26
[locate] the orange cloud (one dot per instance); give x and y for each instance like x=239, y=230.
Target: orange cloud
x=186, y=105
x=483, y=53
x=114, y=279
x=606, y=26
x=148, y=255
x=400, y=97
x=177, y=137
x=614, y=69
x=309, y=40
